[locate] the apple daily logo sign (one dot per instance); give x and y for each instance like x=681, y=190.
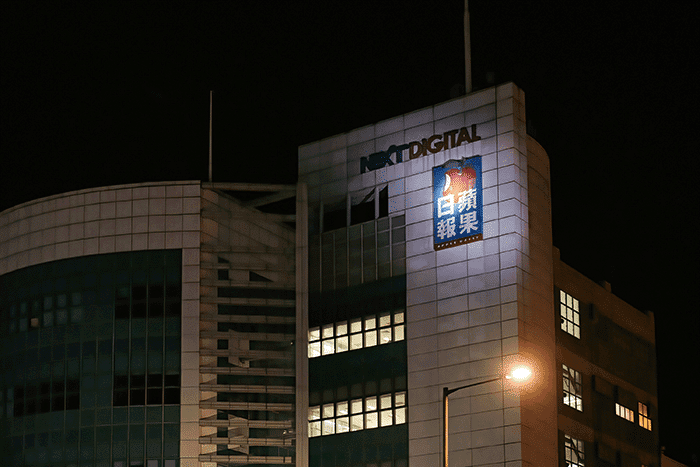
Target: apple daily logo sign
x=457, y=203
x=434, y=144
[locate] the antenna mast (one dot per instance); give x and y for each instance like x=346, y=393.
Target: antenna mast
x=210, y=107
x=467, y=50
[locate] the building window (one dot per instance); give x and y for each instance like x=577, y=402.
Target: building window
x=572, y=388
x=356, y=333
x=624, y=412
x=357, y=414
x=644, y=420
x=573, y=452
x=569, y=312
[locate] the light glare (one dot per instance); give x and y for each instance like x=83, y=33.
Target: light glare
x=520, y=374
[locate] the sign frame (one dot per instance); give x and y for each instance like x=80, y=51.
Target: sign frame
x=458, y=214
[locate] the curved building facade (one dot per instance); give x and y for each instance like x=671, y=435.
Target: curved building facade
x=149, y=325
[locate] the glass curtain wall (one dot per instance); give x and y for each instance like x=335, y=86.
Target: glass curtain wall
x=90, y=361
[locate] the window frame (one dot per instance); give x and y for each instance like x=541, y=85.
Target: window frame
x=570, y=314
x=573, y=394
x=624, y=412
x=644, y=419
x=573, y=446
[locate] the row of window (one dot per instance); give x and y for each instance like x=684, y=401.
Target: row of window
x=356, y=333
x=573, y=397
x=628, y=414
x=357, y=414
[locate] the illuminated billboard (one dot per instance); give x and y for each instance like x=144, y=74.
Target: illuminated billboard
x=457, y=203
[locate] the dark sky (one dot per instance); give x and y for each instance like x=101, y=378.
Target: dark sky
x=97, y=93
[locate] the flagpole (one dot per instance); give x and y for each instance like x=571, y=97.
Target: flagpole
x=467, y=49
x=210, y=119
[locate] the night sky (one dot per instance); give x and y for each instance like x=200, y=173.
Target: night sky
x=97, y=93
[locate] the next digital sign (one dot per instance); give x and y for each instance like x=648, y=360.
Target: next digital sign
x=434, y=144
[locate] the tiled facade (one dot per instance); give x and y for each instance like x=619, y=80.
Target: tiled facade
x=471, y=310
x=614, y=353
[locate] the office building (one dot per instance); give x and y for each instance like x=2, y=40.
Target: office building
x=149, y=325
x=431, y=266
x=215, y=324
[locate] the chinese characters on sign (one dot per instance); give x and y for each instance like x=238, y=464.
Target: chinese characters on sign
x=457, y=203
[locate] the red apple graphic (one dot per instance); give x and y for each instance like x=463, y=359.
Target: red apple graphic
x=459, y=180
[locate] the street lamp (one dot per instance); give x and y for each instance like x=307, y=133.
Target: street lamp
x=517, y=374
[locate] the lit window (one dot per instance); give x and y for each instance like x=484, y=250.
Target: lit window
x=314, y=421
x=328, y=347
x=328, y=427
x=371, y=420
x=314, y=334
x=314, y=349
x=385, y=401
x=568, y=309
x=327, y=331
x=315, y=413
x=328, y=410
x=384, y=320
x=400, y=415
x=573, y=452
x=644, y=420
x=343, y=425
x=384, y=335
x=370, y=322
x=624, y=412
x=400, y=399
x=370, y=333
x=572, y=388
x=355, y=341
x=370, y=338
x=386, y=418
x=314, y=429
x=341, y=344
x=314, y=343
x=370, y=403
x=356, y=423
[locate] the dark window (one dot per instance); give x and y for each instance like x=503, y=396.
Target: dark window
x=239, y=292
x=384, y=202
x=255, y=277
x=334, y=216
x=362, y=210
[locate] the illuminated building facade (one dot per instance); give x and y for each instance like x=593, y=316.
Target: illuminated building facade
x=431, y=265
x=212, y=324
